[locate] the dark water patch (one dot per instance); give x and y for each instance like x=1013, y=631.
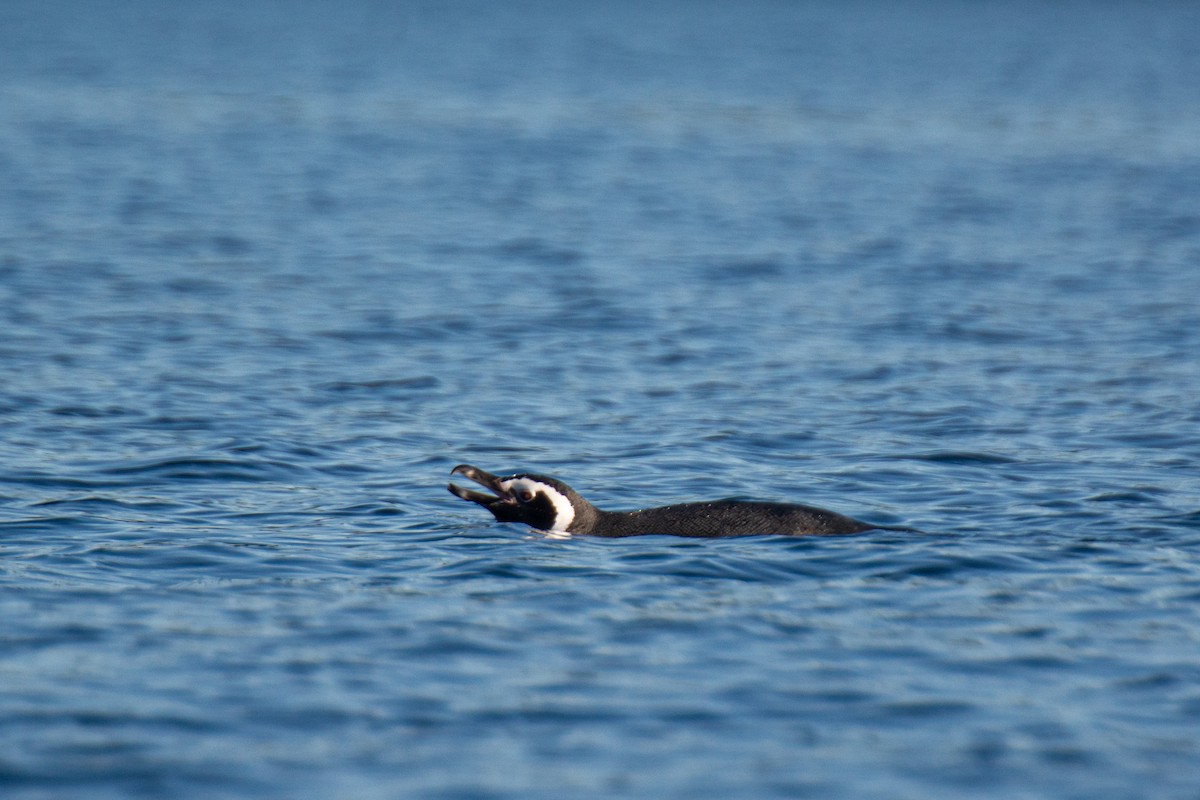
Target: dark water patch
x=109, y=503
x=1136, y=495
x=962, y=458
x=92, y=412
x=183, y=422
x=744, y=270
x=1188, y=520
x=940, y=568
x=43, y=523
x=386, y=386
x=44, y=480
x=1152, y=682
x=923, y=709
x=539, y=251
x=201, y=468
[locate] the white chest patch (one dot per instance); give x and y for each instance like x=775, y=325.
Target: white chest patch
x=564, y=512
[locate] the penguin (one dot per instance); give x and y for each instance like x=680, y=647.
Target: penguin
x=550, y=506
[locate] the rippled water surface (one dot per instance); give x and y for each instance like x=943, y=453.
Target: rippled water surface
x=268, y=271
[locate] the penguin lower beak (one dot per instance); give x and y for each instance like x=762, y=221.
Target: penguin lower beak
x=484, y=479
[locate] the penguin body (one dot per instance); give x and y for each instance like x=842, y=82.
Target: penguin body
x=549, y=505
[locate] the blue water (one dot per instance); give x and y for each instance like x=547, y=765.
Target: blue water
x=269, y=270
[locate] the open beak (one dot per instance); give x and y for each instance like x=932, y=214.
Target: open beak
x=485, y=479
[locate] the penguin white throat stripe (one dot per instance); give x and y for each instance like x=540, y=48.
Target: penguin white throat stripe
x=549, y=505
x=534, y=500
x=527, y=490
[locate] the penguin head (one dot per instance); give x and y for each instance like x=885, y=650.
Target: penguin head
x=535, y=500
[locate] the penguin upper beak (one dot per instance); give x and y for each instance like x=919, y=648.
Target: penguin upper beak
x=484, y=479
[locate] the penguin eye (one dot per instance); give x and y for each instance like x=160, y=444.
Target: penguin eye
x=524, y=495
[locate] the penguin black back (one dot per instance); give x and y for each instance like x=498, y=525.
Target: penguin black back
x=551, y=506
